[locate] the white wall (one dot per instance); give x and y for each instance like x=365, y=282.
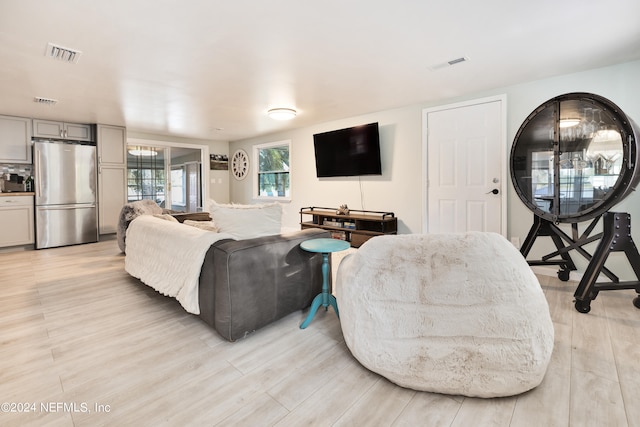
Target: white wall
x=399, y=189
x=396, y=190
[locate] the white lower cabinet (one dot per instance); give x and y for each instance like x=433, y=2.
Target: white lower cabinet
x=112, y=182
x=16, y=220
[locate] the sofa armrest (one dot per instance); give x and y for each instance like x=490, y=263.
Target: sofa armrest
x=247, y=284
x=131, y=211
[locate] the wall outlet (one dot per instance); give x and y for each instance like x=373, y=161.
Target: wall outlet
x=515, y=241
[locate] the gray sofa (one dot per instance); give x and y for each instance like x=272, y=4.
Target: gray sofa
x=246, y=284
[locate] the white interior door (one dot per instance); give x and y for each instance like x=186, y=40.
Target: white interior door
x=466, y=168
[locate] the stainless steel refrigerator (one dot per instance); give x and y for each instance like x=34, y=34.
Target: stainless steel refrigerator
x=65, y=193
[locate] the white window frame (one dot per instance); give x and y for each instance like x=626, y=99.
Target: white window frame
x=254, y=175
x=182, y=186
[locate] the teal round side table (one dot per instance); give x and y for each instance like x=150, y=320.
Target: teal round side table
x=325, y=299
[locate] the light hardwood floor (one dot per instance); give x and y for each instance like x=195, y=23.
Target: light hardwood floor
x=76, y=329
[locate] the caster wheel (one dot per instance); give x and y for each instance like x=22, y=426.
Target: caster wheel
x=583, y=307
x=636, y=302
x=563, y=275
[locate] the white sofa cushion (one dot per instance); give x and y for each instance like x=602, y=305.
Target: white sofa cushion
x=166, y=217
x=202, y=225
x=247, y=221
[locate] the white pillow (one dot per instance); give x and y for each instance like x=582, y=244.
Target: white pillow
x=247, y=221
x=202, y=225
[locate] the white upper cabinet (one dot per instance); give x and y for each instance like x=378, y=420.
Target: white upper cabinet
x=15, y=139
x=70, y=131
x=112, y=145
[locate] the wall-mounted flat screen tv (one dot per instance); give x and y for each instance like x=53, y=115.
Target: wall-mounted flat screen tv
x=348, y=152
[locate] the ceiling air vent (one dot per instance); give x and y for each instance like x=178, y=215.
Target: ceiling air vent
x=45, y=101
x=456, y=61
x=62, y=53
x=449, y=63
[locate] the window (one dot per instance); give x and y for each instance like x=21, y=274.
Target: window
x=272, y=171
x=146, y=184
x=145, y=174
x=178, y=197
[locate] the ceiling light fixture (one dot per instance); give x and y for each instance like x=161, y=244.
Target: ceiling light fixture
x=143, y=152
x=282, y=113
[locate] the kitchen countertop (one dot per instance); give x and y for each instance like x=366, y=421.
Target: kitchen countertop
x=17, y=193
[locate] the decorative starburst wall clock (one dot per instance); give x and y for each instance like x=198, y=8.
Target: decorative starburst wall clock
x=240, y=164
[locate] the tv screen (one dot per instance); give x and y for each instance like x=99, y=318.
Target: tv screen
x=348, y=152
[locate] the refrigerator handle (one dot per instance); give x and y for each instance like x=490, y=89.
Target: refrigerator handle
x=67, y=207
x=38, y=172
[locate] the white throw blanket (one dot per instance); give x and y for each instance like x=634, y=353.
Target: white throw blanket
x=168, y=257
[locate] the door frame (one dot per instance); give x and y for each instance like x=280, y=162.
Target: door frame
x=204, y=160
x=503, y=158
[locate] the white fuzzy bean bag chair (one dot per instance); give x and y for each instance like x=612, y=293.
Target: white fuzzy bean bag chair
x=459, y=314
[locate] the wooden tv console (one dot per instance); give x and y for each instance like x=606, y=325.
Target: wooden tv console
x=356, y=227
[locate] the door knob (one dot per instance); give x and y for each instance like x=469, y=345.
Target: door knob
x=494, y=191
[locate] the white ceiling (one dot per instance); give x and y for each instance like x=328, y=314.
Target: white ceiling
x=211, y=69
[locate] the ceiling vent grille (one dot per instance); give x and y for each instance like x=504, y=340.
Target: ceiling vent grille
x=63, y=54
x=45, y=101
x=457, y=61
x=449, y=63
